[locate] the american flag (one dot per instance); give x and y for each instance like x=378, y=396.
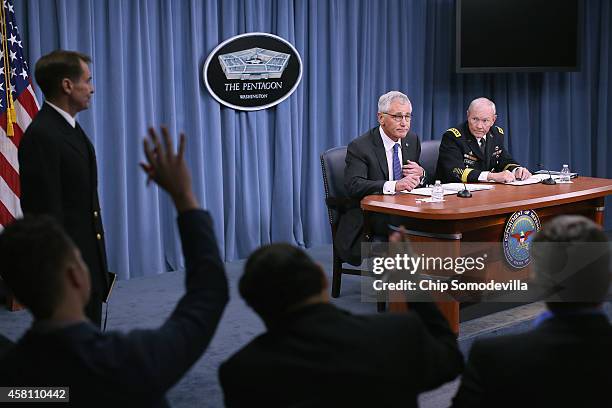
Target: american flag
x=18, y=106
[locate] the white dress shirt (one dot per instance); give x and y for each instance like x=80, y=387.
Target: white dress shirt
x=389, y=186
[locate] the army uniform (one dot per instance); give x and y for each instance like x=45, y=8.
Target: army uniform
x=462, y=160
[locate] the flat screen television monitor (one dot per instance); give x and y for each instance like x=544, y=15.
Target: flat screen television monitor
x=518, y=35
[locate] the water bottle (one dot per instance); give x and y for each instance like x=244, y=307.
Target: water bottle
x=437, y=192
x=564, y=177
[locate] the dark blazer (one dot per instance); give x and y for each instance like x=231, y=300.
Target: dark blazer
x=5, y=345
x=134, y=369
x=461, y=160
x=323, y=356
x=365, y=173
x=58, y=175
x=564, y=362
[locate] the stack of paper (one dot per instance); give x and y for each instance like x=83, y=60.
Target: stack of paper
x=554, y=173
x=456, y=187
x=536, y=178
x=450, y=188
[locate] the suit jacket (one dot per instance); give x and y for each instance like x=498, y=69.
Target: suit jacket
x=137, y=368
x=323, y=356
x=461, y=160
x=5, y=345
x=365, y=173
x=58, y=175
x=563, y=362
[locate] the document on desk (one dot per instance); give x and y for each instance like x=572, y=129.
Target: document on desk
x=449, y=188
x=425, y=191
x=534, y=179
x=456, y=187
x=553, y=173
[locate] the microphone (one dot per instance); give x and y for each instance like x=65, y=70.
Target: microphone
x=549, y=181
x=465, y=193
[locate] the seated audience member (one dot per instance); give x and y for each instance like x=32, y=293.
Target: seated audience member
x=474, y=151
x=44, y=269
x=566, y=360
x=383, y=160
x=314, y=354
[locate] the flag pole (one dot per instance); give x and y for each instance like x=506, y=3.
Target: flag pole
x=11, y=116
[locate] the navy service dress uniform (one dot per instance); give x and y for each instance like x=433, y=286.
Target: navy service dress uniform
x=59, y=177
x=462, y=160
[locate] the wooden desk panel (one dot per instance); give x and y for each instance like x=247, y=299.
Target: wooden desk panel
x=482, y=218
x=503, y=199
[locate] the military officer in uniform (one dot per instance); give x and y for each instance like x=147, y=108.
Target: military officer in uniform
x=475, y=151
x=59, y=175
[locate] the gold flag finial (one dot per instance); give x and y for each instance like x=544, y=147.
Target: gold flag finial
x=11, y=116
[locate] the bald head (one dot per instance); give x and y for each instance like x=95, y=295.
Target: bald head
x=481, y=103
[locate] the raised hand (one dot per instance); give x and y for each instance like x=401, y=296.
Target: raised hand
x=168, y=169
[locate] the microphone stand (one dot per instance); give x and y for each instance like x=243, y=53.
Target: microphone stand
x=549, y=181
x=465, y=193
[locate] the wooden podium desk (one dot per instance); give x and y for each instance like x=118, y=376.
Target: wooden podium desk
x=482, y=217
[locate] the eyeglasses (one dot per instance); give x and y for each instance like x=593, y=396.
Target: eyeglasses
x=398, y=118
x=485, y=122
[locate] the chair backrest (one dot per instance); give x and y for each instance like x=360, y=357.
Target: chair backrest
x=332, y=167
x=429, y=158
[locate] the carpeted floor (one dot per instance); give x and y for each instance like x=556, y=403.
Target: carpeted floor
x=145, y=303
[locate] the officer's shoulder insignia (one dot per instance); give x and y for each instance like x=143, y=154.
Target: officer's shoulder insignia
x=500, y=130
x=455, y=132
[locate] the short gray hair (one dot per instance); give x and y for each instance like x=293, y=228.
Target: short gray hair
x=482, y=101
x=384, y=102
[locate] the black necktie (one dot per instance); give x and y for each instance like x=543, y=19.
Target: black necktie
x=482, y=143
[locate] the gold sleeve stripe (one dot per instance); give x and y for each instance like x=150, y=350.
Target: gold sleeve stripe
x=511, y=165
x=501, y=131
x=464, y=176
x=455, y=132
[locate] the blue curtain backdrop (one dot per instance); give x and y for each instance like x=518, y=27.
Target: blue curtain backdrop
x=258, y=172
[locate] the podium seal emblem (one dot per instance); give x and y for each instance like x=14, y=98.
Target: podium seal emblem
x=518, y=234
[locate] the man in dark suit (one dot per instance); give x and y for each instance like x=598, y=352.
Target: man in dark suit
x=44, y=269
x=474, y=151
x=384, y=160
x=57, y=162
x=314, y=354
x=565, y=360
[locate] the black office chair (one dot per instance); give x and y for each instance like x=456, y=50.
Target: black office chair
x=429, y=159
x=338, y=202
